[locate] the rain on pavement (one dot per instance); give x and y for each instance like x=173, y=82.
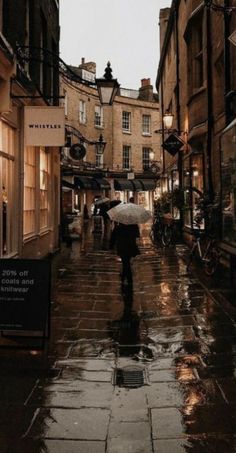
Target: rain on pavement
x=170, y=330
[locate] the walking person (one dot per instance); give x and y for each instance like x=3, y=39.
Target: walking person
x=123, y=237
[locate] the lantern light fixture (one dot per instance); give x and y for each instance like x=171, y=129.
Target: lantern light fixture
x=107, y=86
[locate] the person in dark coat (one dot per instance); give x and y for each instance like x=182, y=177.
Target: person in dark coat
x=124, y=237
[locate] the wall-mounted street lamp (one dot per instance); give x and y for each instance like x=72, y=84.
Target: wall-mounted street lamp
x=100, y=145
x=107, y=86
x=168, y=119
x=77, y=150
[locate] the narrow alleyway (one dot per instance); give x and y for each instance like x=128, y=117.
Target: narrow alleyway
x=172, y=339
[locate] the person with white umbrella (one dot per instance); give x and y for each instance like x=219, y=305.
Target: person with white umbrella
x=125, y=233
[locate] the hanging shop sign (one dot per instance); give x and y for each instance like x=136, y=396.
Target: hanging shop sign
x=24, y=294
x=173, y=144
x=44, y=126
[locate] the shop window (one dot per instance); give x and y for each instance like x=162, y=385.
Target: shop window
x=29, y=191
x=8, y=226
x=44, y=189
x=228, y=184
x=193, y=189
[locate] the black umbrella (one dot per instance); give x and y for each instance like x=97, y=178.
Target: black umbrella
x=114, y=203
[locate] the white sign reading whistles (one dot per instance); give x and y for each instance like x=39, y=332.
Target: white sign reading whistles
x=44, y=126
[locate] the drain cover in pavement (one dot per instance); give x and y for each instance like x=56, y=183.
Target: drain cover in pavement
x=130, y=376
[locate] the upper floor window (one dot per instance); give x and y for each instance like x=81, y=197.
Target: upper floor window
x=194, y=37
x=198, y=57
x=82, y=112
x=126, y=157
x=126, y=121
x=146, y=124
x=98, y=116
x=146, y=158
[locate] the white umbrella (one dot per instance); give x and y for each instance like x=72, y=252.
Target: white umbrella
x=129, y=214
x=101, y=200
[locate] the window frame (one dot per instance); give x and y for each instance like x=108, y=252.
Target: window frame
x=146, y=125
x=126, y=157
x=126, y=121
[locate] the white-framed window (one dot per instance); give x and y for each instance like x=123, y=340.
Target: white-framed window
x=146, y=158
x=29, y=217
x=126, y=157
x=44, y=188
x=82, y=112
x=64, y=102
x=126, y=121
x=146, y=124
x=98, y=118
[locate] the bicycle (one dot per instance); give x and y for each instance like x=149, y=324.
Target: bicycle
x=208, y=256
x=162, y=229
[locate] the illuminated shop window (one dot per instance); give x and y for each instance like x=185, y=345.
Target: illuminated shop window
x=44, y=189
x=29, y=191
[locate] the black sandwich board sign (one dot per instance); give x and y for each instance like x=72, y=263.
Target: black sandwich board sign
x=173, y=144
x=25, y=286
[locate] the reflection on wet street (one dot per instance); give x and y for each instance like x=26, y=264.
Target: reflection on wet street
x=171, y=330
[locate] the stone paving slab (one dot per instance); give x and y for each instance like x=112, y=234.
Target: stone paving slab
x=129, y=437
x=54, y=446
x=74, y=394
x=80, y=424
x=167, y=423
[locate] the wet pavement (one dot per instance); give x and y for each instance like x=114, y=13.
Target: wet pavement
x=148, y=371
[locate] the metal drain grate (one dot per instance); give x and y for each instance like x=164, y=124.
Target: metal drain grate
x=130, y=377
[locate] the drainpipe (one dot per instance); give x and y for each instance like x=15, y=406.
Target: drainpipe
x=227, y=75
x=209, y=104
x=178, y=111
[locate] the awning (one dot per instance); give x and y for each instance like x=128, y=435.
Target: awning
x=123, y=184
x=137, y=184
x=83, y=182
x=67, y=184
x=102, y=183
x=148, y=184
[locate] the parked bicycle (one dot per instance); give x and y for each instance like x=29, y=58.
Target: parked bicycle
x=204, y=248
x=162, y=229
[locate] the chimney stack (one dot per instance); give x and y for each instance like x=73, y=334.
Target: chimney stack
x=146, y=90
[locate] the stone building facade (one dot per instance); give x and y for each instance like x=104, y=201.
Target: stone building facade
x=29, y=174
x=196, y=82
x=125, y=168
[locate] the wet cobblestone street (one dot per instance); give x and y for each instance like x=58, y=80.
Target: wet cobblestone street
x=175, y=331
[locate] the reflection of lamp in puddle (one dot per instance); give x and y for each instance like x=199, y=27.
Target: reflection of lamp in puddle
x=165, y=289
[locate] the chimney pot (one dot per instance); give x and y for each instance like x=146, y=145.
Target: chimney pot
x=82, y=60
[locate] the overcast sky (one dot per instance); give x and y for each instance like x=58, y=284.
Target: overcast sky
x=126, y=32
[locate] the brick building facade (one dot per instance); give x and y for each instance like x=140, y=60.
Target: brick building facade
x=127, y=127
x=196, y=82
x=29, y=175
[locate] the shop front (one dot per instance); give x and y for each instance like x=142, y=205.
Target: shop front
x=228, y=193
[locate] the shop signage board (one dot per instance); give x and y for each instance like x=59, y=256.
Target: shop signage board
x=24, y=294
x=173, y=144
x=44, y=126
